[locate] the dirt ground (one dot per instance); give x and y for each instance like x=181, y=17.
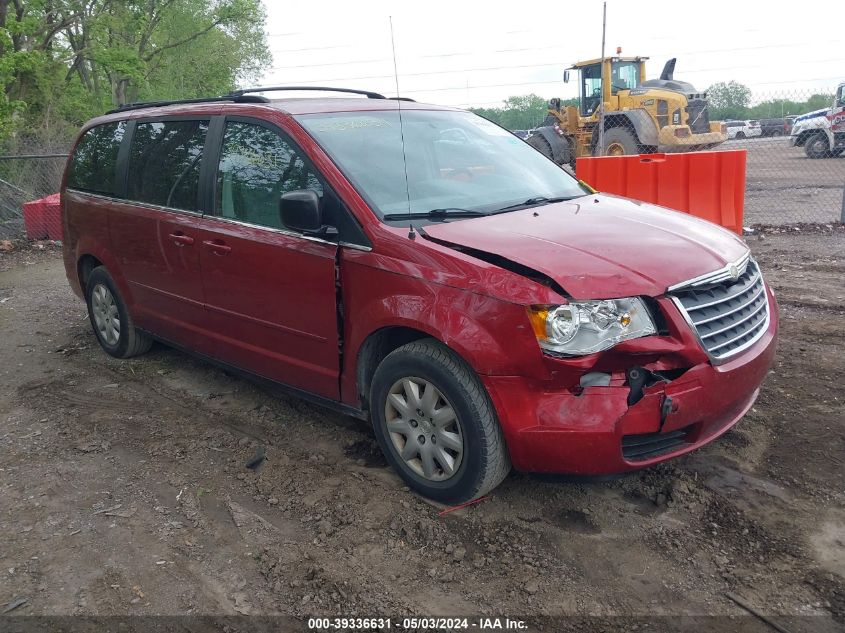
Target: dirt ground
x=123, y=490
x=784, y=186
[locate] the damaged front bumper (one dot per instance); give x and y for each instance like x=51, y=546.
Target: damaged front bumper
x=595, y=431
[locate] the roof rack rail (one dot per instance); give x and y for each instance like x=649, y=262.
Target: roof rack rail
x=402, y=99
x=160, y=104
x=366, y=93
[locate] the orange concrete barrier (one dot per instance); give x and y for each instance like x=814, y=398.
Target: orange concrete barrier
x=708, y=185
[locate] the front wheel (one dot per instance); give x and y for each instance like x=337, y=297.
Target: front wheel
x=436, y=424
x=740, y=135
x=539, y=142
x=619, y=142
x=817, y=146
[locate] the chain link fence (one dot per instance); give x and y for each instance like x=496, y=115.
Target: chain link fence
x=25, y=177
x=794, y=142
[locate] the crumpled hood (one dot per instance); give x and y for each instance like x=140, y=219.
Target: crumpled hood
x=600, y=246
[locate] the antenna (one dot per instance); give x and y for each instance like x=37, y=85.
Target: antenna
x=601, y=106
x=411, y=233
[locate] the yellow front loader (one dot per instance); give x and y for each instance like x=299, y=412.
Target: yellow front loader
x=639, y=115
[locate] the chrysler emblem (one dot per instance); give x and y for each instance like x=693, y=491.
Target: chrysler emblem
x=734, y=272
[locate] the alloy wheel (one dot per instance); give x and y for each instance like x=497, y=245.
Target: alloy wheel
x=106, y=316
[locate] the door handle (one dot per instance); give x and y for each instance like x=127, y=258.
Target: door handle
x=218, y=247
x=181, y=239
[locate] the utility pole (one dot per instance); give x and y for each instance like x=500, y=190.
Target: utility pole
x=601, y=106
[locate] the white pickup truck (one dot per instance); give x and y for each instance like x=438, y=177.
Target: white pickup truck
x=822, y=133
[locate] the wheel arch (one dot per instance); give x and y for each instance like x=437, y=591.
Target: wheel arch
x=84, y=265
x=637, y=121
x=375, y=348
x=88, y=254
x=467, y=338
x=804, y=135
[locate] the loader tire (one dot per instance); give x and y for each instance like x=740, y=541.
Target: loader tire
x=619, y=142
x=538, y=142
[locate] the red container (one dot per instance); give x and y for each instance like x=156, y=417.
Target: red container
x=43, y=219
x=708, y=185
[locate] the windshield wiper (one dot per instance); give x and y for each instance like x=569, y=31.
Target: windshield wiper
x=452, y=212
x=536, y=202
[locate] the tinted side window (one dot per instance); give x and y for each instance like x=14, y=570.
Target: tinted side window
x=164, y=163
x=256, y=167
x=95, y=158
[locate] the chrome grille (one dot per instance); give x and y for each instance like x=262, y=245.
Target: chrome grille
x=728, y=315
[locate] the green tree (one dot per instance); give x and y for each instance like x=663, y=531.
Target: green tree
x=728, y=100
x=156, y=47
x=63, y=61
x=522, y=112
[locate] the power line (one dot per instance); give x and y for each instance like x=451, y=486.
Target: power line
x=510, y=50
x=438, y=72
x=486, y=69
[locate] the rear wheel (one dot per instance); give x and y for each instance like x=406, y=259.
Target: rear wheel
x=110, y=319
x=619, y=142
x=435, y=423
x=817, y=146
x=740, y=135
x=538, y=142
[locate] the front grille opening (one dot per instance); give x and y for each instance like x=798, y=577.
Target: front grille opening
x=699, y=119
x=728, y=316
x=644, y=446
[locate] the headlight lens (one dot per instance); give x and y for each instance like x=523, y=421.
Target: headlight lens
x=586, y=327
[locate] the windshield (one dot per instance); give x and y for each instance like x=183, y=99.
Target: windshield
x=455, y=161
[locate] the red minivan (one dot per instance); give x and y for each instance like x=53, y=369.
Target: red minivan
x=421, y=267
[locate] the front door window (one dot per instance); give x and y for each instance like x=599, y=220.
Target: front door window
x=256, y=167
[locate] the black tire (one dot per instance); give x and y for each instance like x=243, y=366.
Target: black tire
x=837, y=152
x=816, y=146
x=538, y=142
x=618, y=137
x=484, y=462
x=130, y=342
x=740, y=135
x=777, y=133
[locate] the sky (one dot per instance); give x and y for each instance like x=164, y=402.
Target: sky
x=477, y=54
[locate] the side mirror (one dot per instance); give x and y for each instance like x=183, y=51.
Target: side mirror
x=566, y=76
x=300, y=210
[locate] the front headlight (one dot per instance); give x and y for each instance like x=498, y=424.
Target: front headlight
x=585, y=327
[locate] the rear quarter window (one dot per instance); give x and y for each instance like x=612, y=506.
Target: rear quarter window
x=94, y=160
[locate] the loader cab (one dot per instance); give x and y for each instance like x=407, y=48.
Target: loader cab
x=621, y=73
x=590, y=89
x=839, y=99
